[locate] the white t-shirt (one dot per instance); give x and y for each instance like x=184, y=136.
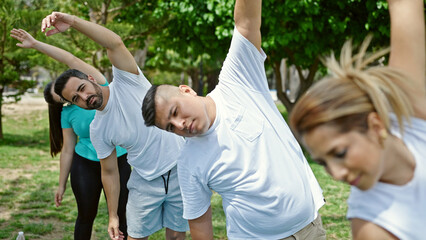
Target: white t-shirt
x=151, y=151
x=249, y=156
x=399, y=209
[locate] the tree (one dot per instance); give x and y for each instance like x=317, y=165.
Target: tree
x=12, y=61
x=195, y=39
x=302, y=31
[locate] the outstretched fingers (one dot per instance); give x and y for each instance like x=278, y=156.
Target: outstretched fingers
x=45, y=23
x=18, y=35
x=49, y=21
x=26, y=40
x=59, y=21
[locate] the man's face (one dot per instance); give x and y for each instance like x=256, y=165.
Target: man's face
x=83, y=93
x=183, y=113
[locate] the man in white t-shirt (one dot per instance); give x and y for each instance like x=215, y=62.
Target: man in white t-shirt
x=154, y=198
x=238, y=144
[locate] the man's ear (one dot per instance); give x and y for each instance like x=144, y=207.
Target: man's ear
x=184, y=89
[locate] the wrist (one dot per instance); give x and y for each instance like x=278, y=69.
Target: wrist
x=62, y=183
x=74, y=20
x=35, y=44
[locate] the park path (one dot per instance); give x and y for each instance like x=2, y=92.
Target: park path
x=29, y=102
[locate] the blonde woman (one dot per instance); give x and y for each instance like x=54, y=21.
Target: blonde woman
x=367, y=126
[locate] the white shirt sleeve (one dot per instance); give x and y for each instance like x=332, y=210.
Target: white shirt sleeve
x=123, y=77
x=195, y=194
x=244, y=65
x=103, y=148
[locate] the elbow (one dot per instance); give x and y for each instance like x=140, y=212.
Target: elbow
x=245, y=26
x=241, y=22
x=116, y=42
x=73, y=62
x=107, y=171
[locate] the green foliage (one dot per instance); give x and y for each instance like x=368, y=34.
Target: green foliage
x=8, y=70
x=13, y=61
x=304, y=31
x=194, y=41
x=315, y=27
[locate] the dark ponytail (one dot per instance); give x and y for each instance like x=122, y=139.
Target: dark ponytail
x=55, y=129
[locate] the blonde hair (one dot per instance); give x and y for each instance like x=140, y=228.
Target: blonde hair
x=352, y=91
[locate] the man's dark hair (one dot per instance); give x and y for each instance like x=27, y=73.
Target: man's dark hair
x=62, y=80
x=148, y=106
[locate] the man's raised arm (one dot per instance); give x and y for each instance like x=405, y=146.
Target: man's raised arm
x=118, y=54
x=408, y=40
x=247, y=17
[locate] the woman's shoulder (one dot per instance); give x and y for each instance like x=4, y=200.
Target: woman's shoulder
x=419, y=108
x=74, y=109
x=69, y=108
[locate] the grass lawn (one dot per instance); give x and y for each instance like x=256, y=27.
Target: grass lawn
x=29, y=177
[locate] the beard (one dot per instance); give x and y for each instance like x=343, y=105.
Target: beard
x=98, y=98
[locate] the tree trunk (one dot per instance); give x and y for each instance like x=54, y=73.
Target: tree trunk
x=140, y=55
x=309, y=80
x=279, y=87
x=200, y=88
x=2, y=47
x=212, y=80
x=1, y=112
x=104, y=12
x=194, y=76
x=305, y=82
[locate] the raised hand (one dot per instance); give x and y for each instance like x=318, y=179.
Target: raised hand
x=60, y=21
x=26, y=40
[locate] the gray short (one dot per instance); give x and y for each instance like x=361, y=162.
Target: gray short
x=313, y=231
x=149, y=208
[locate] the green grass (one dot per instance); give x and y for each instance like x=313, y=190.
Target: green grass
x=29, y=177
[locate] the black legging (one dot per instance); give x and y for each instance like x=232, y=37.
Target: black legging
x=86, y=184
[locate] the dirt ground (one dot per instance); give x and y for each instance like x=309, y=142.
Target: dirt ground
x=29, y=102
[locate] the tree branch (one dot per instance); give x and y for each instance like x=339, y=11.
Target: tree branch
x=310, y=79
x=122, y=6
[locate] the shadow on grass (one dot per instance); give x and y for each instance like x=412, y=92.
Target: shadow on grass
x=29, y=205
x=336, y=218
x=38, y=139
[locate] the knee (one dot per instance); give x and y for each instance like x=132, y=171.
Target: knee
x=86, y=217
x=172, y=235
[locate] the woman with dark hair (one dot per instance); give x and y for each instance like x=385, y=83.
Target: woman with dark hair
x=367, y=126
x=55, y=130
x=70, y=136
